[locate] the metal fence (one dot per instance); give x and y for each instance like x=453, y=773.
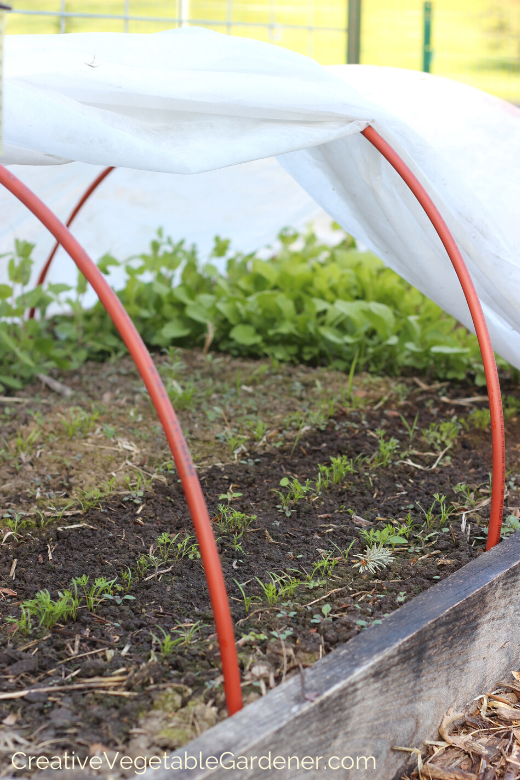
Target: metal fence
x=475, y=41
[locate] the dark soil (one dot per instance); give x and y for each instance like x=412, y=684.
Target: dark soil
x=128, y=693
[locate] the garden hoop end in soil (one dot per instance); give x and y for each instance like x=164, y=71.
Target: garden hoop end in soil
x=479, y=321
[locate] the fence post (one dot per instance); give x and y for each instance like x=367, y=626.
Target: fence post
x=354, y=32
x=427, y=37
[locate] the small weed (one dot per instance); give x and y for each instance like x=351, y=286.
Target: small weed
x=164, y=543
x=181, y=397
x=480, y=419
x=187, y=632
x=389, y=535
x=96, y=593
x=235, y=442
x=260, y=430
x=442, y=435
x=344, y=553
x=326, y=610
x=229, y=520
x=296, y=491
x=324, y=567
x=470, y=499
x=166, y=644
x=187, y=549
x=46, y=611
x=511, y=525
x=247, y=599
x=279, y=586
x=411, y=429
x=127, y=578
x=383, y=456
x=341, y=466
x=79, y=421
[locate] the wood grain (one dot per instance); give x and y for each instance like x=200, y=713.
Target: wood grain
x=390, y=685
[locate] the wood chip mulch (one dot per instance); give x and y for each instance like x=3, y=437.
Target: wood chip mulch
x=482, y=743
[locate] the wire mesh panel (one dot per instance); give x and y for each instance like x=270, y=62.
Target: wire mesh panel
x=475, y=41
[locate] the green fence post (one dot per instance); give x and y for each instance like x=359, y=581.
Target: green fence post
x=427, y=39
x=354, y=32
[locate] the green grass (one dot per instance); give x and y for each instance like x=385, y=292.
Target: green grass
x=474, y=41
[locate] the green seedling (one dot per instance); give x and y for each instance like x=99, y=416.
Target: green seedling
x=324, y=567
x=164, y=543
x=79, y=421
x=94, y=594
x=511, y=525
x=445, y=511
x=166, y=644
x=181, y=397
x=295, y=492
x=142, y=565
x=389, y=535
x=411, y=429
x=187, y=632
x=341, y=466
x=230, y=496
x=480, y=419
x=127, y=578
x=383, y=456
x=231, y=520
x=344, y=553
x=235, y=442
x=326, y=610
x=442, y=435
x=46, y=611
x=260, y=430
x=187, y=549
x=247, y=599
x=279, y=586
x=470, y=499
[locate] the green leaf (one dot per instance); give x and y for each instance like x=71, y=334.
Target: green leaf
x=174, y=330
x=245, y=334
x=444, y=349
x=5, y=292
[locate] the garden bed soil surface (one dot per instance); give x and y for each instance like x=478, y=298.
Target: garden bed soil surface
x=107, y=681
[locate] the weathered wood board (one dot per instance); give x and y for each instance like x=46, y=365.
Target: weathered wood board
x=388, y=686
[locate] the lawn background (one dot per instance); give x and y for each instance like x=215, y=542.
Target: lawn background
x=474, y=41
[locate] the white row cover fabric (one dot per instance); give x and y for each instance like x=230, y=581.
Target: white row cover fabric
x=191, y=101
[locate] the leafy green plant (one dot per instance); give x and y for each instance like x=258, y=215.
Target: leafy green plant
x=164, y=543
x=310, y=303
x=470, y=497
x=389, y=535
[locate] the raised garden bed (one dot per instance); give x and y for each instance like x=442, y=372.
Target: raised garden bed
x=301, y=562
